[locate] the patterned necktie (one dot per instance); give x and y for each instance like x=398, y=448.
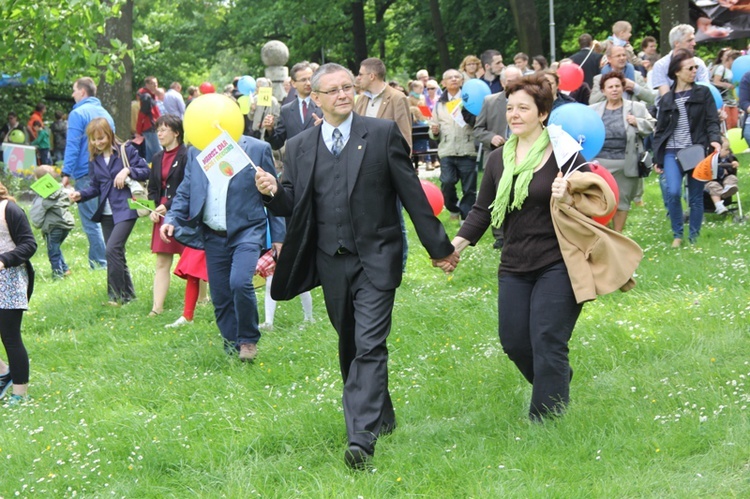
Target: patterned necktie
x=304, y=111
x=338, y=142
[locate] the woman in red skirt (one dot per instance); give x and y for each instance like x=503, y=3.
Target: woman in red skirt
x=167, y=171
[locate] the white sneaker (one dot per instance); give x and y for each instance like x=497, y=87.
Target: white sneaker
x=182, y=321
x=721, y=209
x=266, y=326
x=728, y=191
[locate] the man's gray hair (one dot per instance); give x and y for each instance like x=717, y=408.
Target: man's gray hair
x=679, y=33
x=326, y=69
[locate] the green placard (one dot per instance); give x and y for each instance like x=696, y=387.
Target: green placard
x=46, y=186
x=139, y=204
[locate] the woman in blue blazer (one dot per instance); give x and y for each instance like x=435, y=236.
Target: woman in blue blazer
x=108, y=176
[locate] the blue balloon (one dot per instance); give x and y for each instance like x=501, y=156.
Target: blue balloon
x=246, y=85
x=583, y=124
x=714, y=92
x=740, y=66
x=473, y=93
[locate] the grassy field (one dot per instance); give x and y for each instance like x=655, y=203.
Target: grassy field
x=124, y=407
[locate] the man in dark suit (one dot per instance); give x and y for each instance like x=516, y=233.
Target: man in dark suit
x=300, y=114
x=229, y=222
x=591, y=65
x=340, y=186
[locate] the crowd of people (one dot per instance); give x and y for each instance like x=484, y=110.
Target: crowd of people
x=334, y=174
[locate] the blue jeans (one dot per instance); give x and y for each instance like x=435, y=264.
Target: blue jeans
x=152, y=145
x=453, y=169
x=673, y=176
x=230, y=276
x=54, y=240
x=86, y=210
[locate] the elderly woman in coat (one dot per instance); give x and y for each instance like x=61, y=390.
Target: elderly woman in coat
x=626, y=122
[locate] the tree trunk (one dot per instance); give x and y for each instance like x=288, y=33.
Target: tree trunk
x=116, y=96
x=442, y=44
x=359, y=31
x=671, y=13
x=527, y=27
x=381, y=6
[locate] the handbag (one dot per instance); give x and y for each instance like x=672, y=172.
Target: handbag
x=645, y=162
x=689, y=157
x=137, y=190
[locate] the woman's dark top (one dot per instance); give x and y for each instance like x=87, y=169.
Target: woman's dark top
x=530, y=242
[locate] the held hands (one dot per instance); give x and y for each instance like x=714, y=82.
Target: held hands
x=447, y=264
x=632, y=120
x=265, y=183
x=74, y=196
x=120, y=178
x=435, y=128
x=560, y=190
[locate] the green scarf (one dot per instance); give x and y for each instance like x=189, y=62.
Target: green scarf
x=524, y=171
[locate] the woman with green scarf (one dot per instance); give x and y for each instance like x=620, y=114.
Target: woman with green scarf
x=536, y=305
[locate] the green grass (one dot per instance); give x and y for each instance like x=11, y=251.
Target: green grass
x=124, y=407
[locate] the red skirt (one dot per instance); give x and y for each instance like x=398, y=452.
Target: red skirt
x=159, y=246
x=192, y=264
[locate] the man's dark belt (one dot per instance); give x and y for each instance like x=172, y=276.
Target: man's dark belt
x=220, y=233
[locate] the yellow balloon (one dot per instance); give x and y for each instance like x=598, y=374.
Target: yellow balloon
x=206, y=114
x=244, y=103
x=736, y=142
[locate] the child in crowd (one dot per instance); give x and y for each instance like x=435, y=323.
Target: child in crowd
x=52, y=215
x=621, y=33
x=725, y=184
x=59, y=131
x=192, y=268
x=41, y=142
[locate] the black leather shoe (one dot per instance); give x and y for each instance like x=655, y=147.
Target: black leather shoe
x=357, y=458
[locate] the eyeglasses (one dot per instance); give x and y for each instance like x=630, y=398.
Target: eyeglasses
x=303, y=80
x=335, y=91
x=431, y=88
x=453, y=77
x=691, y=68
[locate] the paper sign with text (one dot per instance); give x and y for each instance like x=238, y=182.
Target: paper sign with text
x=264, y=96
x=46, y=186
x=454, y=107
x=222, y=159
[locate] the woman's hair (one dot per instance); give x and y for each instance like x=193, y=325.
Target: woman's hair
x=537, y=86
x=676, y=63
x=99, y=125
x=4, y=194
x=720, y=55
x=552, y=73
x=609, y=76
x=469, y=59
x=542, y=61
x=415, y=83
x=174, y=123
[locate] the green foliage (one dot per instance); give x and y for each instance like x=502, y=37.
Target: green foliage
x=58, y=38
x=660, y=399
x=22, y=100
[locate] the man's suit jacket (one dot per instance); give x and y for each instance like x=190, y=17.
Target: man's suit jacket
x=491, y=121
x=246, y=218
x=379, y=171
x=395, y=107
x=290, y=123
x=590, y=67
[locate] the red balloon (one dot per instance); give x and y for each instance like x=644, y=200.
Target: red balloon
x=434, y=196
x=571, y=76
x=207, y=87
x=604, y=173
